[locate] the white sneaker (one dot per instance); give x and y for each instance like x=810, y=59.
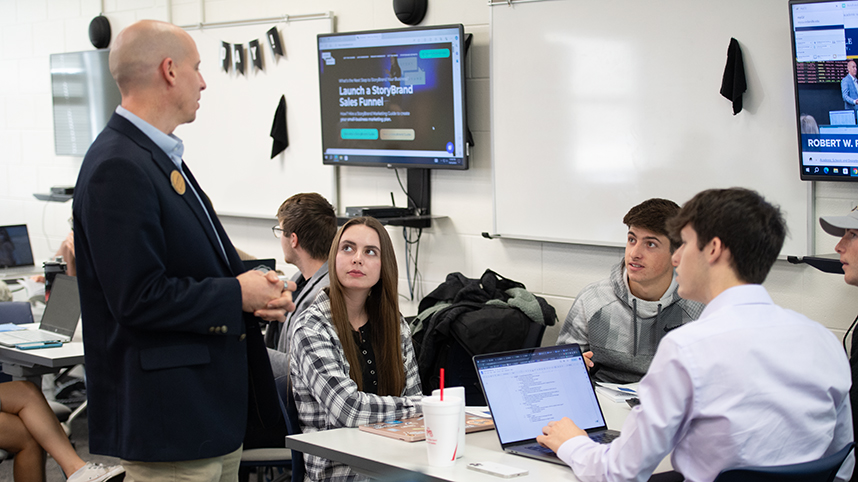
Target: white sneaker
x=97, y=473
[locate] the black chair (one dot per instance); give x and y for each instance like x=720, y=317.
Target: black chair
x=821, y=470
x=273, y=457
x=292, y=424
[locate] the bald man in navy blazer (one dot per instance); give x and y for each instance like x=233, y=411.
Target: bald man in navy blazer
x=171, y=341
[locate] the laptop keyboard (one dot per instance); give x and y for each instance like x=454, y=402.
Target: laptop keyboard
x=603, y=437
x=539, y=448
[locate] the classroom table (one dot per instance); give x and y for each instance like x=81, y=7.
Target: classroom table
x=390, y=459
x=32, y=364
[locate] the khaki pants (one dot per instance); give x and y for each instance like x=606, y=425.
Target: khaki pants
x=215, y=469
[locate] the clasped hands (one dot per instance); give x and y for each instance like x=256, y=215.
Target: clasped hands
x=265, y=295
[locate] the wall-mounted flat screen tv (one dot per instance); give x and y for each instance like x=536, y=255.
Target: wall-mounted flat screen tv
x=394, y=98
x=825, y=52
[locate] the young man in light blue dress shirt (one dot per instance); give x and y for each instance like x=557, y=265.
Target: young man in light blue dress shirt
x=747, y=384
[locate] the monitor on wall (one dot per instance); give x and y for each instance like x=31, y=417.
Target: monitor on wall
x=825, y=52
x=84, y=96
x=394, y=98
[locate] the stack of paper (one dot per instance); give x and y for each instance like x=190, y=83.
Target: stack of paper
x=616, y=392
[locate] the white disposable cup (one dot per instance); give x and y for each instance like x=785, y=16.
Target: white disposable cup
x=442, y=429
x=460, y=393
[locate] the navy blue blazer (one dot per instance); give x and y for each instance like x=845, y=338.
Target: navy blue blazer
x=166, y=342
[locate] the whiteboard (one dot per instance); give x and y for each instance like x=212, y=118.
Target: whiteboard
x=228, y=146
x=599, y=105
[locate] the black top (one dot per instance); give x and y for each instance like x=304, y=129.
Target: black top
x=368, y=368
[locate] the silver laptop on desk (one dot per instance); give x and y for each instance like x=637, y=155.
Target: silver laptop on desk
x=60, y=319
x=528, y=388
x=16, y=255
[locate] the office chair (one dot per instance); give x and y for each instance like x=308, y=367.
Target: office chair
x=270, y=462
x=821, y=470
x=277, y=456
x=292, y=425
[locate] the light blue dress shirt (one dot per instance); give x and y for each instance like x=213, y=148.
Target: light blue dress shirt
x=747, y=384
x=173, y=147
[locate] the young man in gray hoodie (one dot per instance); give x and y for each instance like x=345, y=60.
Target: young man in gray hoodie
x=622, y=318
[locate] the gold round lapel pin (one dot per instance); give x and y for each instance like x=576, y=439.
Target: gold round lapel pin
x=178, y=182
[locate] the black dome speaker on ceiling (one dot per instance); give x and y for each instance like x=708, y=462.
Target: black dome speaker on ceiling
x=410, y=12
x=99, y=32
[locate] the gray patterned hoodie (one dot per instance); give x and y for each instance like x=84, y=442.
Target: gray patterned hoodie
x=621, y=329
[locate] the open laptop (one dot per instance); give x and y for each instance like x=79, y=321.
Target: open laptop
x=528, y=388
x=60, y=319
x=842, y=117
x=16, y=255
x=269, y=263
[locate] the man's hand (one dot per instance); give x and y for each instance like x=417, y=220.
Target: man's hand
x=258, y=290
x=276, y=309
x=588, y=360
x=558, y=432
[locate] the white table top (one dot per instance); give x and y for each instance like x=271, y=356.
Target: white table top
x=382, y=457
x=69, y=354
x=387, y=458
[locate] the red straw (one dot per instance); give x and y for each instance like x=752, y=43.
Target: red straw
x=442, y=384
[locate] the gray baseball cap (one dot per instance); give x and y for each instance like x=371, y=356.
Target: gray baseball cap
x=837, y=225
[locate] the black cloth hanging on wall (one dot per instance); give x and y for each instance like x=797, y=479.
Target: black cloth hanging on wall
x=733, y=84
x=278, y=129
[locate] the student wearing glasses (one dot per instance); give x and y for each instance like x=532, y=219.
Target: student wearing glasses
x=306, y=227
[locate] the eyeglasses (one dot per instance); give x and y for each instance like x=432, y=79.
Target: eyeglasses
x=278, y=231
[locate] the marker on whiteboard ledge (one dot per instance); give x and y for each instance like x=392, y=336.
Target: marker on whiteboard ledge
x=490, y=236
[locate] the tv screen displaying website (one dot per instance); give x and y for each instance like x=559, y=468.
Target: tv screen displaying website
x=394, y=98
x=825, y=51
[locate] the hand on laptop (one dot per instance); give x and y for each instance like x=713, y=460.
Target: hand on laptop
x=558, y=432
x=588, y=359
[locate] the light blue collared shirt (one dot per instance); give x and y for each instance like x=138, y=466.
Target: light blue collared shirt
x=784, y=400
x=174, y=148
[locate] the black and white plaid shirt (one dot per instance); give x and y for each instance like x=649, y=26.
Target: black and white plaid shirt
x=325, y=395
